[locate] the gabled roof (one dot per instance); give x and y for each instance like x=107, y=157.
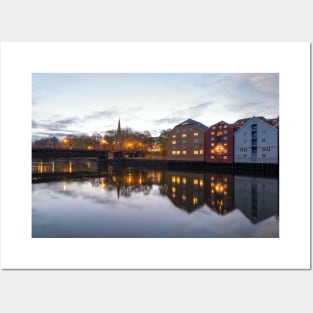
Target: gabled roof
x=262, y=119
x=243, y=121
x=195, y=123
x=222, y=123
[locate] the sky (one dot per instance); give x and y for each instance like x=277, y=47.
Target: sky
x=77, y=104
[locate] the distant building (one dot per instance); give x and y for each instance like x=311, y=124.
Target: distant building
x=219, y=143
x=256, y=142
x=186, y=141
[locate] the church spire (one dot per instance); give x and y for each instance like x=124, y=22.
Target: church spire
x=119, y=128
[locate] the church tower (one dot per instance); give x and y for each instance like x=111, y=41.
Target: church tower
x=118, y=133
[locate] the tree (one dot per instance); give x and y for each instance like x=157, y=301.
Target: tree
x=164, y=141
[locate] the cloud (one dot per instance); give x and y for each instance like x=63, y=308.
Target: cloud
x=174, y=119
x=99, y=114
x=198, y=108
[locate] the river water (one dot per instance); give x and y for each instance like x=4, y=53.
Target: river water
x=75, y=199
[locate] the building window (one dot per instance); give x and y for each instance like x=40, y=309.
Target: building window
x=263, y=155
x=212, y=157
x=225, y=131
x=196, y=134
x=212, y=138
x=212, y=133
x=178, y=152
x=184, y=135
x=173, y=152
x=225, y=138
x=174, y=142
x=174, y=136
x=184, y=152
x=212, y=144
x=225, y=126
x=196, y=140
x=263, y=139
x=214, y=127
x=184, y=180
x=183, y=141
x=201, y=151
x=212, y=150
x=177, y=130
x=183, y=197
x=195, y=152
x=225, y=157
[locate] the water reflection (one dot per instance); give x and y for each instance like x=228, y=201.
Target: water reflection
x=219, y=192
x=185, y=190
x=218, y=204
x=256, y=197
x=64, y=166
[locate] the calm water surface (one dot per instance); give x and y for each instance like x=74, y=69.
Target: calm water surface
x=145, y=202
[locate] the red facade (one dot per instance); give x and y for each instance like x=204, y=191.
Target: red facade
x=219, y=143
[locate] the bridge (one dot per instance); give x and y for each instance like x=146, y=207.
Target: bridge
x=48, y=153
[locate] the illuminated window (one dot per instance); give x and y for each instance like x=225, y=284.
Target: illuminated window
x=195, y=200
x=174, y=136
x=225, y=157
x=173, y=179
x=184, y=135
x=212, y=144
x=173, y=189
x=212, y=133
x=183, y=197
x=212, y=138
x=195, y=152
x=184, y=152
x=184, y=180
x=201, y=151
x=178, y=152
x=195, y=181
x=173, y=195
x=201, y=182
x=174, y=142
x=214, y=127
x=225, y=126
x=212, y=157
x=178, y=179
x=212, y=150
x=196, y=134
x=173, y=152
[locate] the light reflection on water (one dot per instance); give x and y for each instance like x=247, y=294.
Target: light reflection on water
x=142, y=202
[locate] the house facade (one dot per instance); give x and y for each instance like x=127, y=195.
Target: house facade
x=256, y=142
x=219, y=143
x=186, y=142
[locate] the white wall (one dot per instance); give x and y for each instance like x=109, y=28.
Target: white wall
x=267, y=143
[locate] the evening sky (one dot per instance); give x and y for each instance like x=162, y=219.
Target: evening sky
x=75, y=104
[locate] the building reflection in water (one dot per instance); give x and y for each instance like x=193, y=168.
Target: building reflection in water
x=185, y=189
x=219, y=192
x=256, y=197
x=129, y=180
